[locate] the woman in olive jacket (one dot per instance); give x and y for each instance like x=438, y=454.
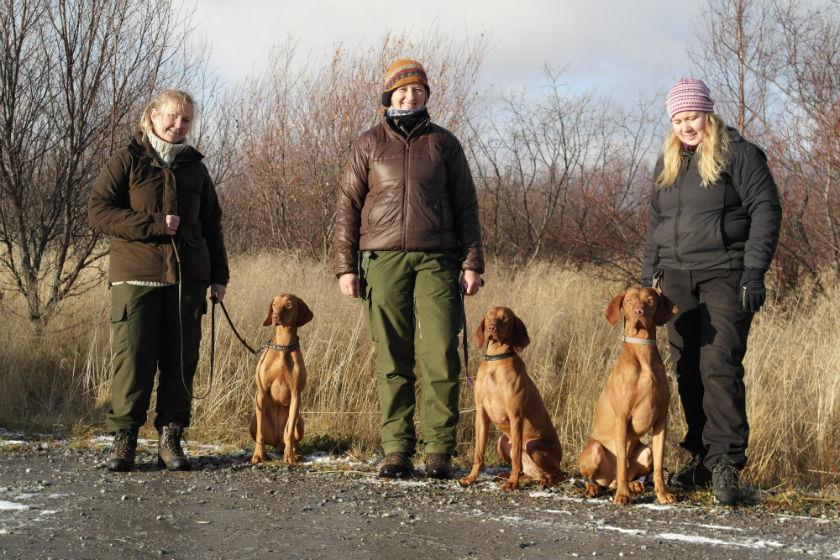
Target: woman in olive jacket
x=407, y=240
x=713, y=226
x=156, y=202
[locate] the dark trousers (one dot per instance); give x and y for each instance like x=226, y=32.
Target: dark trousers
x=145, y=338
x=708, y=340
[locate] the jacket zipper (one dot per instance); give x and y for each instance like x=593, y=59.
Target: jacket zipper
x=687, y=164
x=406, y=169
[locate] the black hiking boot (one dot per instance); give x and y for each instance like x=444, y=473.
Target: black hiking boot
x=123, y=451
x=726, y=483
x=170, y=453
x=438, y=465
x=396, y=465
x=692, y=475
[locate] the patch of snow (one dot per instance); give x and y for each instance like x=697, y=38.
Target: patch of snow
x=836, y=554
x=655, y=507
x=11, y=506
x=717, y=527
x=322, y=457
x=48, y=512
x=10, y=442
x=697, y=539
x=558, y=511
x=622, y=530
x=394, y=482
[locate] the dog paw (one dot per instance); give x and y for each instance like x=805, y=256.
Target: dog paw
x=257, y=458
x=666, y=498
x=508, y=486
x=636, y=487
x=622, y=499
x=291, y=457
x=466, y=481
x=591, y=490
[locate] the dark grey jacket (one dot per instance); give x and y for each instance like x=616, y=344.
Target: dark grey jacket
x=732, y=224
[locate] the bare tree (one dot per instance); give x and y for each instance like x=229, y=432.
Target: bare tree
x=73, y=76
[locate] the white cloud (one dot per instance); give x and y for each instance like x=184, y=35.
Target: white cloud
x=624, y=46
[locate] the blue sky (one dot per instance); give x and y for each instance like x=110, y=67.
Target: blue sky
x=625, y=48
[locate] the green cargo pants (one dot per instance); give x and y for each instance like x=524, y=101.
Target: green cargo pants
x=145, y=337
x=413, y=305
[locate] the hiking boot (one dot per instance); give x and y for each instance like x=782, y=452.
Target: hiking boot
x=726, y=483
x=123, y=451
x=438, y=466
x=692, y=475
x=396, y=465
x=170, y=453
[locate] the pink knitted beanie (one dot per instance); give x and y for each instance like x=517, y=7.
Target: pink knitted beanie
x=689, y=95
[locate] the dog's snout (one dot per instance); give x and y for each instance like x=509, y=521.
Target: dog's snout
x=638, y=312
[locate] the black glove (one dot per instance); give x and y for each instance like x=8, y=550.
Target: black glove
x=753, y=292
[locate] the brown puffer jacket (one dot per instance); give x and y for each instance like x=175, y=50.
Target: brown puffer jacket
x=410, y=193
x=129, y=202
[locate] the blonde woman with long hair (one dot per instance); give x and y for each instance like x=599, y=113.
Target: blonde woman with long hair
x=156, y=202
x=713, y=227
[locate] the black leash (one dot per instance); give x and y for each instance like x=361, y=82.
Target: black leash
x=233, y=328
x=181, y=332
x=464, y=338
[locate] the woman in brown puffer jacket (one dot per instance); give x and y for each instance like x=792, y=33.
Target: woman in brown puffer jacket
x=156, y=202
x=407, y=240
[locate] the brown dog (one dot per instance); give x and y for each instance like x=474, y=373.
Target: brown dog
x=634, y=401
x=506, y=395
x=281, y=377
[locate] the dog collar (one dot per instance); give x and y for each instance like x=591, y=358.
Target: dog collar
x=645, y=341
x=495, y=357
x=282, y=347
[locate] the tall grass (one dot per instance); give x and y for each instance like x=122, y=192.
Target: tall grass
x=793, y=388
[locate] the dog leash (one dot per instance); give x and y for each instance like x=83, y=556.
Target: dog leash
x=181, y=332
x=267, y=345
x=464, y=341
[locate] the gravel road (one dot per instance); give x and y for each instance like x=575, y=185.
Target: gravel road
x=58, y=501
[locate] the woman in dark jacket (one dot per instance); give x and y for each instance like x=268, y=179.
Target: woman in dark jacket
x=156, y=201
x=407, y=203
x=713, y=226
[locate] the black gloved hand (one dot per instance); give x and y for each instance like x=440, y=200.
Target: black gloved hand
x=753, y=293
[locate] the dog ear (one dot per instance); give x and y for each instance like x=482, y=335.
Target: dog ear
x=268, y=318
x=479, y=334
x=665, y=310
x=304, y=314
x=520, y=335
x=613, y=311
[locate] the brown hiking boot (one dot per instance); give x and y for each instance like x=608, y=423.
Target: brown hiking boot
x=438, y=465
x=170, y=453
x=396, y=465
x=123, y=451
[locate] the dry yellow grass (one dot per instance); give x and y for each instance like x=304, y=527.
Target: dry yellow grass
x=793, y=390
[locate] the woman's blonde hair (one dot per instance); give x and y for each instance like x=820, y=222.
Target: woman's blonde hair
x=712, y=154
x=163, y=99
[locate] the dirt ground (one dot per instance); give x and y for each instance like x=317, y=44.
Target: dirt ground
x=58, y=501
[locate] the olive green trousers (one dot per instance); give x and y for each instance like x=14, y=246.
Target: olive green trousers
x=145, y=338
x=413, y=309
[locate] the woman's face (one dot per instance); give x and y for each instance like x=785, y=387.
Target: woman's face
x=172, y=123
x=690, y=127
x=412, y=96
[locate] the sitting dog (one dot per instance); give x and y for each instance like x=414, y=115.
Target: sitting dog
x=281, y=377
x=506, y=395
x=634, y=401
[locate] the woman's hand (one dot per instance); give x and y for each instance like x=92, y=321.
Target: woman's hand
x=349, y=284
x=470, y=282
x=217, y=293
x=172, y=222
